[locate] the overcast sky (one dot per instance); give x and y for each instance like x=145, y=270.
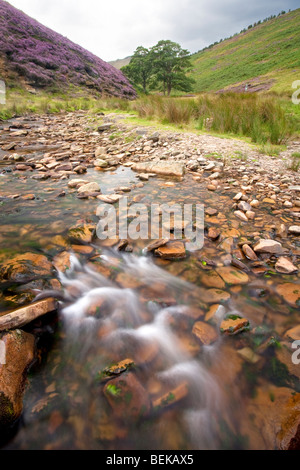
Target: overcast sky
x=113, y=29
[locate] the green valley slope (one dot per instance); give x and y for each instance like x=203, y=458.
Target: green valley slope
x=267, y=57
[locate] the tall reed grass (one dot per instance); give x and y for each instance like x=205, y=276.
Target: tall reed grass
x=259, y=117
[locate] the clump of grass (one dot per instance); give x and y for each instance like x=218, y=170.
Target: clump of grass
x=295, y=162
x=240, y=155
x=269, y=149
x=260, y=118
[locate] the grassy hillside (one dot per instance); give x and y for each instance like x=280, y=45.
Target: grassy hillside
x=33, y=55
x=267, y=57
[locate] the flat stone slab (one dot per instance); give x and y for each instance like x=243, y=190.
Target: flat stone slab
x=161, y=168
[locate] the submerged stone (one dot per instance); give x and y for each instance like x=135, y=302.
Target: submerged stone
x=205, y=332
x=127, y=397
x=290, y=292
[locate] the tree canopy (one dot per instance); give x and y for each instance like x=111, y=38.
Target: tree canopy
x=163, y=67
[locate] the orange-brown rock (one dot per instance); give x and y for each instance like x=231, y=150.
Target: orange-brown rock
x=62, y=261
x=231, y=275
x=171, y=250
x=205, y=332
x=290, y=292
x=231, y=326
x=19, y=353
x=127, y=397
x=22, y=267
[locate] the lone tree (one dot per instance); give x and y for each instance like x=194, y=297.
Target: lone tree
x=162, y=67
x=139, y=70
x=170, y=65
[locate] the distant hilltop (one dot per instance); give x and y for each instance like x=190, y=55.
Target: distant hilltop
x=119, y=63
x=32, y=55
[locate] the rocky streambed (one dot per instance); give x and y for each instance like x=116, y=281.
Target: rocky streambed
x=136, y=343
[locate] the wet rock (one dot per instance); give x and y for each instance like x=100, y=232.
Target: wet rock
x=294, y=229
x=28, y=197
x=110, y=198
x=268, y=246
x=9, y=146
x=285, y=266
x=213, y=296
x=211, y=187
x=293, y=333
x=124, y=189
x=250, y=215
x=82, y=232
x=22, y=267
x=62, y=261
x=92, y=187
x=205, y=332
x=19, y=349
x=268, y=200
x=213, y=233
x=64, y=167
x=249, y=253
x=122, y=245
x=273, y=421
x=215, y=313
x=127, y=397
x=76, y=183
x=170, y=397
x=238, y=196
x=232, y=276
x=212, y=279
x=211, y=211
x=249, y=355
x=157, y=244
x=244, y=206
x=234, y=324
x=255, y=203
x=116, y=369
x=80, y=169
x=22, y=167
x=240, y=215
x=161, y=168
x=100, y=163
x=171, y=250
x=143, y=177
x=290, y=292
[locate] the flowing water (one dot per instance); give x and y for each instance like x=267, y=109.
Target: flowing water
x=170, y=391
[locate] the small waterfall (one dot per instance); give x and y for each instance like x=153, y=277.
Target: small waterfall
x=106, y=323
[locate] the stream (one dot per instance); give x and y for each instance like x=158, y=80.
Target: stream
x=123, y=366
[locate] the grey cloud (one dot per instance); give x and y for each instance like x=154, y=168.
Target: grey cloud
x=114, y=29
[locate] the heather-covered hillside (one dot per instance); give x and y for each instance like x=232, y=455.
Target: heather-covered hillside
x=35, y=55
